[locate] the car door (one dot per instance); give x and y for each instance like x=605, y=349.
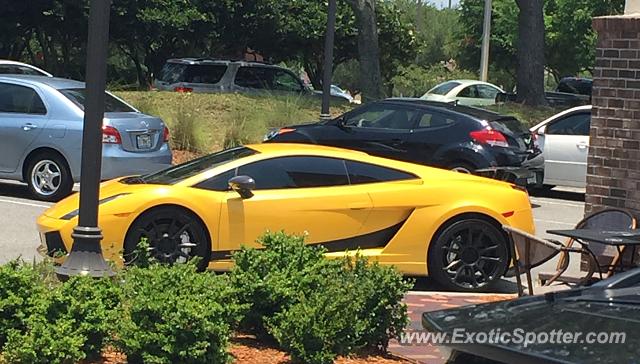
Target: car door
x=477, y=95
x=380, y=129
x=433, y=131
x=23, y=115
x=299, y=195
x=566, y=146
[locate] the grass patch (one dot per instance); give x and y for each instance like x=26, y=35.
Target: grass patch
x=204, y=123
x=528, y=115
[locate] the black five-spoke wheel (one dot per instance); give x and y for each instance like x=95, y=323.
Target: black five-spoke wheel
x=173, y=235
x=468, y=255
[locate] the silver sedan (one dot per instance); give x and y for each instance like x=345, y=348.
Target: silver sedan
x=564, y=140
x=41, y=121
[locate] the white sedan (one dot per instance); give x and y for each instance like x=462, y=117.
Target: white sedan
x=465, y=92
x=564, y=140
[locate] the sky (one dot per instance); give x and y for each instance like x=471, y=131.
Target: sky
x=444, y=3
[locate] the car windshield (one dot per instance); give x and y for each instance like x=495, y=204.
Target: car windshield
x=444, y=88
x=183, y=171
x=511, y=124
x=111, y=104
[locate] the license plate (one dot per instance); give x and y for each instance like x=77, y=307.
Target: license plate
x=143, y=141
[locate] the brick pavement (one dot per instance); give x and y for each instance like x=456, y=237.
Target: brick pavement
x=419, y=302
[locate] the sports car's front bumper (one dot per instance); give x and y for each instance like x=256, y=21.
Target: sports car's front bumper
x=56, y=240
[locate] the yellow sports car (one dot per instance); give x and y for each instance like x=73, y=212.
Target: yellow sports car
x=423, y=220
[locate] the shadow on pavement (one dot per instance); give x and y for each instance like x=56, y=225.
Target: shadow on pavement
x=14, y=190
x=425, y=284
x=559, y=195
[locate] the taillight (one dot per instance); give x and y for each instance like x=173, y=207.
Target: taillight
x=491, y=137
x=182, y=89
x=110, y=135
x=165, y=134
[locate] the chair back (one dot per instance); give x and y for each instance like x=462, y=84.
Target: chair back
x=530, y=250
x=608, y=219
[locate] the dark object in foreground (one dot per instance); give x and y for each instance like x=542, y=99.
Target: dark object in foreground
x=611, y=306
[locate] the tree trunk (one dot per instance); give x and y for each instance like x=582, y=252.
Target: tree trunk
x=368, y=49
x=531, y=53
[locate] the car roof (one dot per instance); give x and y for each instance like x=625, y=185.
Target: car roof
x=205, y=60
x=55, y=82
x=294, y=148
x=474, y=112
x=16, y=63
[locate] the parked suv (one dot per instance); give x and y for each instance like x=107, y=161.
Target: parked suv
x=461, y=138
x=211, y=75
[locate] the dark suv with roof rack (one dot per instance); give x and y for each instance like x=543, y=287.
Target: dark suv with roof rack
x=213, y=75
x=461, y=138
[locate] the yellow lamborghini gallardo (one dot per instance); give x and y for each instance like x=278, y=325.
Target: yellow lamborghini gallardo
x=423, y=220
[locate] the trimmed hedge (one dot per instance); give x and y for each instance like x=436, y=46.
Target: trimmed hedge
x=314, y=308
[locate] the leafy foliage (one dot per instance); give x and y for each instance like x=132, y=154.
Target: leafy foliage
x=175, y=315
x=570, y=39
x=414, y=81
x=69, y=323
x=318, y=308
x=21, y=287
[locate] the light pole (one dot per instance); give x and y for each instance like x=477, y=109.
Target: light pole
x=486, y=41
x=328, y=60
x=86, y=257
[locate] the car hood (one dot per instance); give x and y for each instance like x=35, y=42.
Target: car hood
x=108, y=191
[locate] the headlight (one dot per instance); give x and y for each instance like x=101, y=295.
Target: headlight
x=75, y=212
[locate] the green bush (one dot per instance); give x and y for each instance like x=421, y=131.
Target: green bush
x=69, y=323
x=314, y=307
x=175, y=315
x=21, y=286
x=414, y=81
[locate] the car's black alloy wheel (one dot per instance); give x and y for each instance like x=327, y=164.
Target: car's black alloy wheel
x=174, y=236
x=468, y=255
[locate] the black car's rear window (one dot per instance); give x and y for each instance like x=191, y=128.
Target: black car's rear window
x=512, y=124
x=111, y=104
x=183, y=171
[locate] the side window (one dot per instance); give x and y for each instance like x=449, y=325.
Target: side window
x=259, y=78
x=217, y=183
x=382, y=117
x=487, y=92
x=205, y=73
x=368, y=173
x=434, y=120
x=470, y=92
x=296, y=172
x=20, y=99
x=576, y=124
x=285, y=81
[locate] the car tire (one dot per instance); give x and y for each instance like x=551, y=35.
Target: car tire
x=468, y=255
x=175, y=235
x=48, y=177
x=462, y=167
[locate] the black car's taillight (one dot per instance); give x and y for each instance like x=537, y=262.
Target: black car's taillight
x=490, y=137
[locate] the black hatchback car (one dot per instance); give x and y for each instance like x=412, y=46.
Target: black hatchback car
x=443, y=135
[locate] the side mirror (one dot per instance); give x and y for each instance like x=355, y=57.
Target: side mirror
x=243, y=185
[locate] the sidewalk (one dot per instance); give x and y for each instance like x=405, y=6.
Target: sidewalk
x=419, y=302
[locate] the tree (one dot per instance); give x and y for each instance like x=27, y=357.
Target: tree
x=368, y=49
x=569, y=38
x=531, y=52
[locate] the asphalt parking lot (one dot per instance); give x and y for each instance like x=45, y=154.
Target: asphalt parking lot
x=18, y=213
